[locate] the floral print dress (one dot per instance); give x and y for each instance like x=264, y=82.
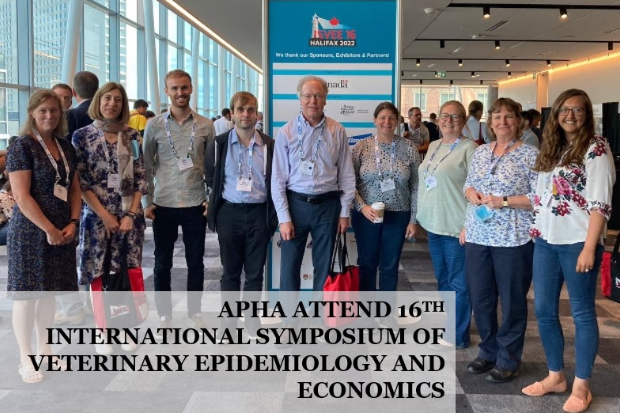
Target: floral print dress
x=566, y=196
x=93, y=170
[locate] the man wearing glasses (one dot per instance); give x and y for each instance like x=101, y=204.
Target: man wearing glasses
x=415, y=131
x=313, y=185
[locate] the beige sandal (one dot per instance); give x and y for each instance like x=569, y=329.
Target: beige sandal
x=56, y=362
x=29, y=374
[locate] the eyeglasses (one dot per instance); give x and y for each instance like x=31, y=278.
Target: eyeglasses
x=446, y=116
x=576, y=111
x=317, y=96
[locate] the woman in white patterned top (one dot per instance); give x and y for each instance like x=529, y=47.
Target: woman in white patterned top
x=571, y=209
x=498, y=251
x=386, y=168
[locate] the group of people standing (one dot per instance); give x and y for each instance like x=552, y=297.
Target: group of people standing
x=482, y=207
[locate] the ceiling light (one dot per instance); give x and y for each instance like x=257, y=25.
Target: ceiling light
x=497, y=46
x=486, y=12
x=563, y=12
x=473, y=74
x=420, y=81
x=481, y=81
x=509, y=74
x=436, y=74
x=442, y=44
x=460, y=62
x=507, y=63
x=417, y=62
x=610, y=46
x=548, y=63
x=451, y=82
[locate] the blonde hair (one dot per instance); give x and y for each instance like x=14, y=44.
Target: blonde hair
x=37, y=100
x=94, y=110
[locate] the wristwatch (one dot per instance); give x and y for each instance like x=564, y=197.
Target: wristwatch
x=505, y=202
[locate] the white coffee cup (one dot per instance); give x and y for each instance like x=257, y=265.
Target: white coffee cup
x=380, y=208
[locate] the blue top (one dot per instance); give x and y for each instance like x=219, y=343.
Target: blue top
x=333, y=167
x=513, y=175
x=258, y=194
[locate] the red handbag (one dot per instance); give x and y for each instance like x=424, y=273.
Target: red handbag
x=341, y=286
x=610, y=273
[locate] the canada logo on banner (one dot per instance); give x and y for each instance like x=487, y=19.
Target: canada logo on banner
x=331, y=33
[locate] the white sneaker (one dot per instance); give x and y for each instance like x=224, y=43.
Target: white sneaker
x=164, y=322
x=104, y=349
x=130, y=346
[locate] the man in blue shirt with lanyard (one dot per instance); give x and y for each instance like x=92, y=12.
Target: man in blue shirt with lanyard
x=174, y=148
x=313, y=185
x=238, y=173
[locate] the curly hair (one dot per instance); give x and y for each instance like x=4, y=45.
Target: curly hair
x=556, y=149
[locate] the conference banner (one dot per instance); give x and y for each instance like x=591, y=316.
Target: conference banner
x=353, y=45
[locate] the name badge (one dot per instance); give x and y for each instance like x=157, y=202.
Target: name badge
x=307, y=168
x=60, y=192
x=244, y=185
x=185, y=163
x=114, y=181
x=546, y=199
x=387, y=185
x=430, y=182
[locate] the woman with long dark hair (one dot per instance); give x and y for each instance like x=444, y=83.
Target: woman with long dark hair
x=571, y=209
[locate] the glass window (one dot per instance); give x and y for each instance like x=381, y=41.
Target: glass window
x=419, y=100
x=49, y=27
x=200, y=85
x=187, y=30
x=213, y=51
x=156, y=16
x=9, y=113
x=172, y=58
x=8, y=40
x=213, y=89
x=105, y=3
x=188, y=63
x=445, y=97
x=129, y=9
x=172, y=26
x=97, y=37
x=129, y=60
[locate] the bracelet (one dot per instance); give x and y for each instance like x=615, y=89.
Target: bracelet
x=131, y=215
x=75, y=221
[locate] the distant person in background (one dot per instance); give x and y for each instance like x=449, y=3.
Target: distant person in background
x=223, y=124
x=137, y=120
x=149, y=114
x=85, y=85
x=433, y=118
x=536, y=123
x=527, y=135
x=163, y=111
x=65, y=93
x=259, y=122
x=433, y=129
x=7, y=202
x=476, y=130
x=415, y=131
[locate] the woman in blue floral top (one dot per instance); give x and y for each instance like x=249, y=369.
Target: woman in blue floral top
x=571, y=209
x=112, y=177
x=498, y=251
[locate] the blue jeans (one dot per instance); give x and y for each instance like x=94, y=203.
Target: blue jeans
x=379, y=246
x=448, y=257
x=554, y=265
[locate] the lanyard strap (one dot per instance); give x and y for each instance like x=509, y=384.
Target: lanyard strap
x=495, y=160
x=250, y=156
x=301, y=140
x=51, y=158
x=191, y=139
x=428, y=165
x=378, y=158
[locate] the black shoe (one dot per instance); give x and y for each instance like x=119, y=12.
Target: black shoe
x=479, y=366
x=501, y=375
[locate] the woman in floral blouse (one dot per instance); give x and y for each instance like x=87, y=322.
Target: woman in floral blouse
x=571, y=209
x=498, y=251
x=112, y=177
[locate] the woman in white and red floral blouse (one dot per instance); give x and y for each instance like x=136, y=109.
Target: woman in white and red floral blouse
x=571, y=209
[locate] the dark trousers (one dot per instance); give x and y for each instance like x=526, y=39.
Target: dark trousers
x=321, y=222
x=165, y=232
x=504, y=273
x=379, y=246
x=244, y=238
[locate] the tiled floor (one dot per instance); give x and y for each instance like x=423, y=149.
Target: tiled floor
x=167, y=392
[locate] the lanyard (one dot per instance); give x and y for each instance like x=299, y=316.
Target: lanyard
x=378, y=158
x=301, y=140
x=495, y=160
x=51, y=158
x=191, y=139
x=250, y=156
x=428, y=165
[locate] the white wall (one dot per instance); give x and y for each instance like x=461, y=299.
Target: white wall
x=599, y=79
x=522, y=90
